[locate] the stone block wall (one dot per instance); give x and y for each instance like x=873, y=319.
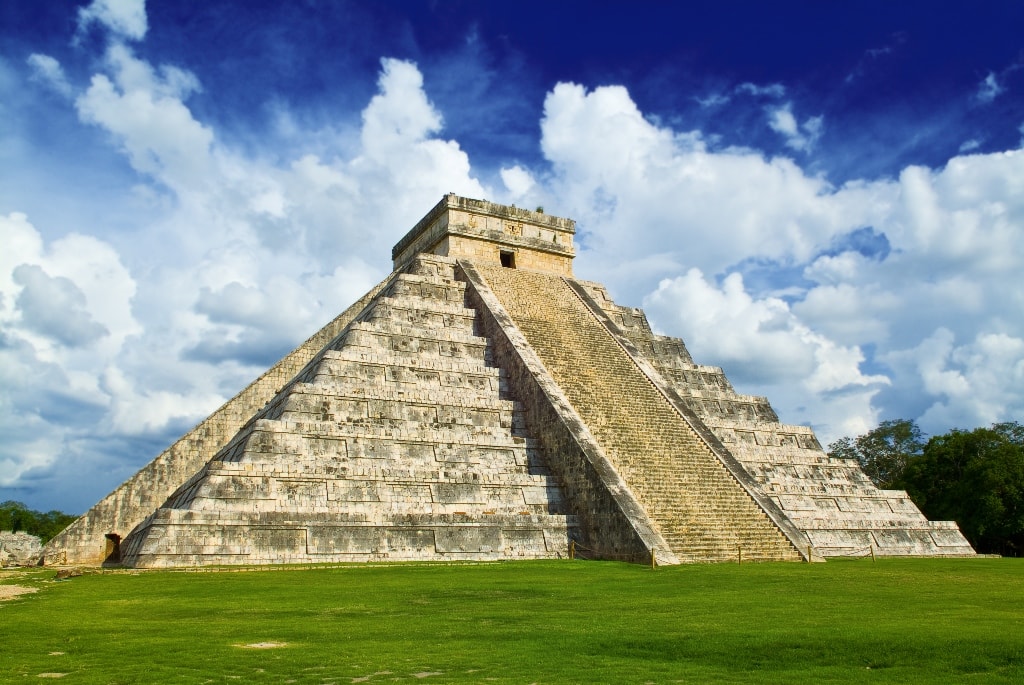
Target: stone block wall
x=489, y=252
x=399, y=442
x=85, y=541
x=19, y=549
x=481, y=231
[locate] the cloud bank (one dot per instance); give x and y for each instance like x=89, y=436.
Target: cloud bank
x=860, y=277
x=878, y=298
x=233, y=261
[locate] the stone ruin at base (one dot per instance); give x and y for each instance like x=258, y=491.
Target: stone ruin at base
x=481, y=403
x=19, y=549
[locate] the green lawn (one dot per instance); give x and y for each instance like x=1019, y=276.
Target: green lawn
x=906, y=620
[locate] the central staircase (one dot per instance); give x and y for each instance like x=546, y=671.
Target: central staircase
x=701, y=511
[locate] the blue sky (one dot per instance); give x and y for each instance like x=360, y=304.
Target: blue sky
x=826, y=199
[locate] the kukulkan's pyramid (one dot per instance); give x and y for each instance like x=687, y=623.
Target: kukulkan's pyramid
x=481, y=403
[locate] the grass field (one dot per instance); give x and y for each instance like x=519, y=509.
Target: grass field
x=905, y=620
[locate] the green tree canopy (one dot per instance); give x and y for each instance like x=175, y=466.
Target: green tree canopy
x=975, y=478
x=883, y=452
x=15, y=516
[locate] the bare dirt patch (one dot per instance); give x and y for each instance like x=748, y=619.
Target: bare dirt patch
x=12, y=591
x=263, y=645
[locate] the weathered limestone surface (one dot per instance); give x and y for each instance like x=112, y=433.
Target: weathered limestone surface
x=19, y=549
x=831, y=500
x=699, y=508
x=612, y=522
x=487, y=233
x=398, y=442
x=85, y=541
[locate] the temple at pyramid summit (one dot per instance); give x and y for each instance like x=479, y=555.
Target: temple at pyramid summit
x=481, y=403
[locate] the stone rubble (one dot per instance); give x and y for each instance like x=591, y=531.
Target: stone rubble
x=19, y=549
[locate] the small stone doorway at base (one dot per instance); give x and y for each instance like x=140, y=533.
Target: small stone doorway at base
x=508, y=259
x=112, y=554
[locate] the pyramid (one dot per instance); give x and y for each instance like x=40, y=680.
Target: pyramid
x=481, y=403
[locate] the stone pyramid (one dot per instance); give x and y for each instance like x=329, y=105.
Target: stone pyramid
x=481, y=403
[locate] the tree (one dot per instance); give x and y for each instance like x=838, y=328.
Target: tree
x=883, y=452
x=975, y=478
x=15, y=516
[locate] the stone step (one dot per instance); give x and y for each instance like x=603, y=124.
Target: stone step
x=412, y=313
x=852, y=521
x=283, y=518
x=402, y=305
x=405, y=341
x=400, y=329
x=362, y=454
x=433, y=266
x=385, y=358
x=341, y=390
x=457, y=435
x=485, y=473
x=326, y=538
x=828, y=485
x=409, y=391
x=810, y=466
x=397, y=413
x=365, y=377
x=415, y=285
x=395, y=430
x=366, y=498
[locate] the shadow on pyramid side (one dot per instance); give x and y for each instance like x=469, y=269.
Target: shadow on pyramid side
x=482, y=404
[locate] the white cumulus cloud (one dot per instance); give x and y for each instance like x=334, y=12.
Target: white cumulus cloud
x=826, y=326
x=54, y=307
x=650, y=192
x=761, y=341
x=123, y=18
x=48, y=70
x=241, y=259
x=845, y=304
x=989, y=88
x=518, y=181
x=144, y=110
x=798, y=136
x=65, y=312
x=965, y=383
x=775, y=90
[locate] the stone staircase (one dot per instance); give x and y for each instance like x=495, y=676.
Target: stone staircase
x=698, y=507
x=398, y=441
x=831, y=500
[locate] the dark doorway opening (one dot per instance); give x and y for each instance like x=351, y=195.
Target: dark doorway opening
x=508, y=259
x=112, y=555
